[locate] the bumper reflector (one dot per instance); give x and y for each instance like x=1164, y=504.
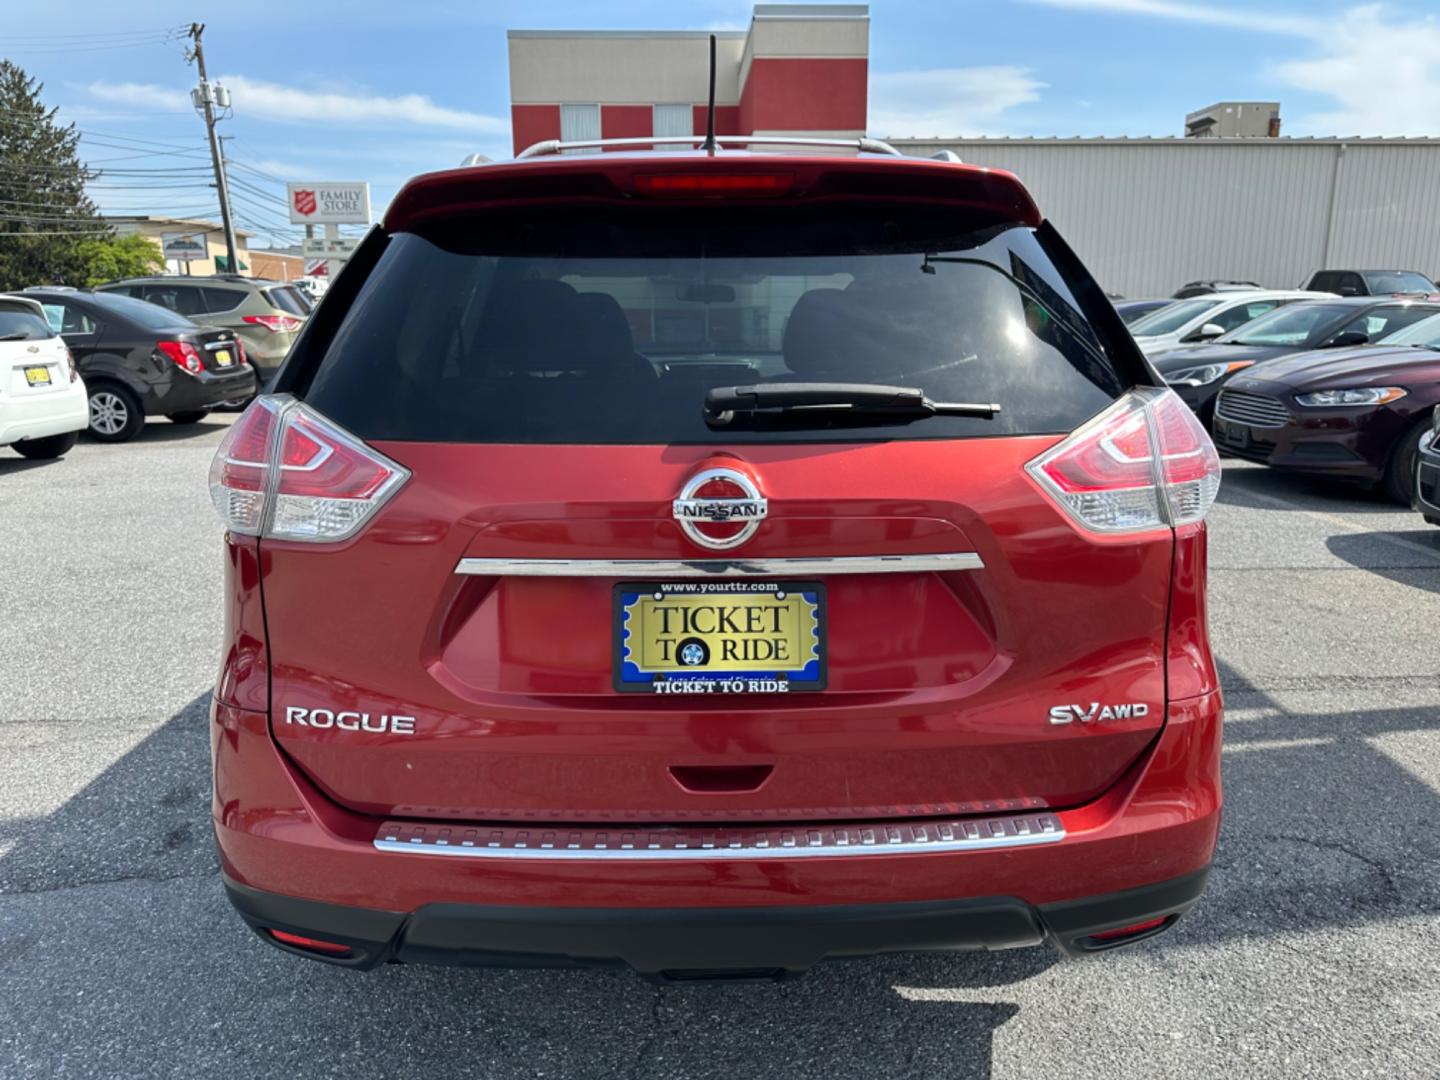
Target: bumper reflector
x=299, y=941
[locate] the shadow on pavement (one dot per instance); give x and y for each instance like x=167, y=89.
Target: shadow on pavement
x=113, y=902
x=1358, y=549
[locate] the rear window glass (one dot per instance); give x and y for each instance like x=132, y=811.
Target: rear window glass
x=19, y=322
x=284, y=298
x=586, y=330
x=150, y=316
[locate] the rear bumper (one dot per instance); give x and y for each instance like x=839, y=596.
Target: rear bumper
x=38, y=416
x=700, y=942
x=188, y=393
x=296, y=861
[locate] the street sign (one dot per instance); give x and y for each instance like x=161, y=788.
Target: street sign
x=329, y=204
x=317, y=247
x=184, y=246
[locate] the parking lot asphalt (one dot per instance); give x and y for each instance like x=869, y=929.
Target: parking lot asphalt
x=1313, y=954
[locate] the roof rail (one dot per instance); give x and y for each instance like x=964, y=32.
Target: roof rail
x=555, y=146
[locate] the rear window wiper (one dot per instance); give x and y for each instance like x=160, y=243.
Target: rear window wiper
x=831, y=404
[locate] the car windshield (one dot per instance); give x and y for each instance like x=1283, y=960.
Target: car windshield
x=1397, y=281
x=18, y=322
x=581, y=329
x=150, y=316
x=1425, y=333
x=1169, y=319
x=1290, y=325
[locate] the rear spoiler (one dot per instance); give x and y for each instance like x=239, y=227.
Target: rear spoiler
x=630, y=178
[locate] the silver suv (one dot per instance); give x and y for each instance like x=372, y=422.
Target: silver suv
x=265, y=314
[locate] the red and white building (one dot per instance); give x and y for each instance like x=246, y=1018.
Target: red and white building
x=801, y=69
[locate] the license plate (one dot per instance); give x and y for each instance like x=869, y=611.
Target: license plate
x=719, y=637
x=37, y=376
x=223, y=358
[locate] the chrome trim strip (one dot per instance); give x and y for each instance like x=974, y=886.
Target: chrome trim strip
x=721, y=568
x=629, y=842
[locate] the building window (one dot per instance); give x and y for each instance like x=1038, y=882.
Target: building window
x=579, y=123
x=673, y=120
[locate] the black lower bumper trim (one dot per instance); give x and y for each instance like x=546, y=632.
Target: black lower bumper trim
x=702, y=942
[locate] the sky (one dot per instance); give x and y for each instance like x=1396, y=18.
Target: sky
x=377, y=90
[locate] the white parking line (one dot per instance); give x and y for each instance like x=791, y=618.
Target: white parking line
x=1273, y=744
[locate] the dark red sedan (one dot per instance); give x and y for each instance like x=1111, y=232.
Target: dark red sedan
x=1358, y=414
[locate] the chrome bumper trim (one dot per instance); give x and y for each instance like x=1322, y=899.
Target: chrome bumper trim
x=742, y=842
x=721, y=568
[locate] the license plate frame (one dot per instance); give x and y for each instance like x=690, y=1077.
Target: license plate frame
x=804, y=618
x=38, y=375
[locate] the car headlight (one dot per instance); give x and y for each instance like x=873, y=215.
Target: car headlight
x=1205, y=374
x=1359, y=395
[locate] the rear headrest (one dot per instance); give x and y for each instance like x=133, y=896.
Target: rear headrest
x=605, y=327
x=814, y=331
x=526, y=315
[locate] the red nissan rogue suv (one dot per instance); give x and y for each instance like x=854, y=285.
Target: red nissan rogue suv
x=713, y=563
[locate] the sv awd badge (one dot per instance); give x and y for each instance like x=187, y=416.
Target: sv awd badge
x=1097, y=713
x=350, y=721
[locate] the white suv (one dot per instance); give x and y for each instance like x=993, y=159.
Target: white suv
x=43, y=407
x=1204, y=318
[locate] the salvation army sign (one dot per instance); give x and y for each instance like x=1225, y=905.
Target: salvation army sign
x=329, y=204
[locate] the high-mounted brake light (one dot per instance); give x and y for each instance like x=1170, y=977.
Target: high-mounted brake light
x=285, y=472
x=183, y=353
x=713, y=185
x=276, y=324
x=1144, y=463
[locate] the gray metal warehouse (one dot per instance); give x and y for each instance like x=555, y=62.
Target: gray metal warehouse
x=1148, y=215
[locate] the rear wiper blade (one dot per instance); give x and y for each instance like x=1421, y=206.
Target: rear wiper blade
x=836, y=403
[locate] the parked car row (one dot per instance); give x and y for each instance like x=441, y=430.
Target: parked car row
x=106, y=358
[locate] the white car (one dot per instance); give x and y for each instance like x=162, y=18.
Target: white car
x=1204, y=318
x=43, y=404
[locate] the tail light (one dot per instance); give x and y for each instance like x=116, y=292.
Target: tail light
x=276, y=324
x=184, y=355
x=286, y=473
x=70, y=360
x=240, y=356
x=1144, y=463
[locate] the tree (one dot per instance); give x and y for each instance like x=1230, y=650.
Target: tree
x=117, y=257
x=46, y=219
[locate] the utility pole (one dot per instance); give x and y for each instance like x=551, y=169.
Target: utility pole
x=205, y=97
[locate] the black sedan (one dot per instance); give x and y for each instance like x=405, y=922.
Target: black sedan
x=1427, y=472
x=139, y=360
x=1196, y=372
x=1356, y=414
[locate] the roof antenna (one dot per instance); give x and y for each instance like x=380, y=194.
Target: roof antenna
x=709, y=143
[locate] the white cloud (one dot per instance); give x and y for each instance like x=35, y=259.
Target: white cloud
x=947, y=101
x=1384, y=76
x=273, y=101
x=1381, y=69
x=1198, y=13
